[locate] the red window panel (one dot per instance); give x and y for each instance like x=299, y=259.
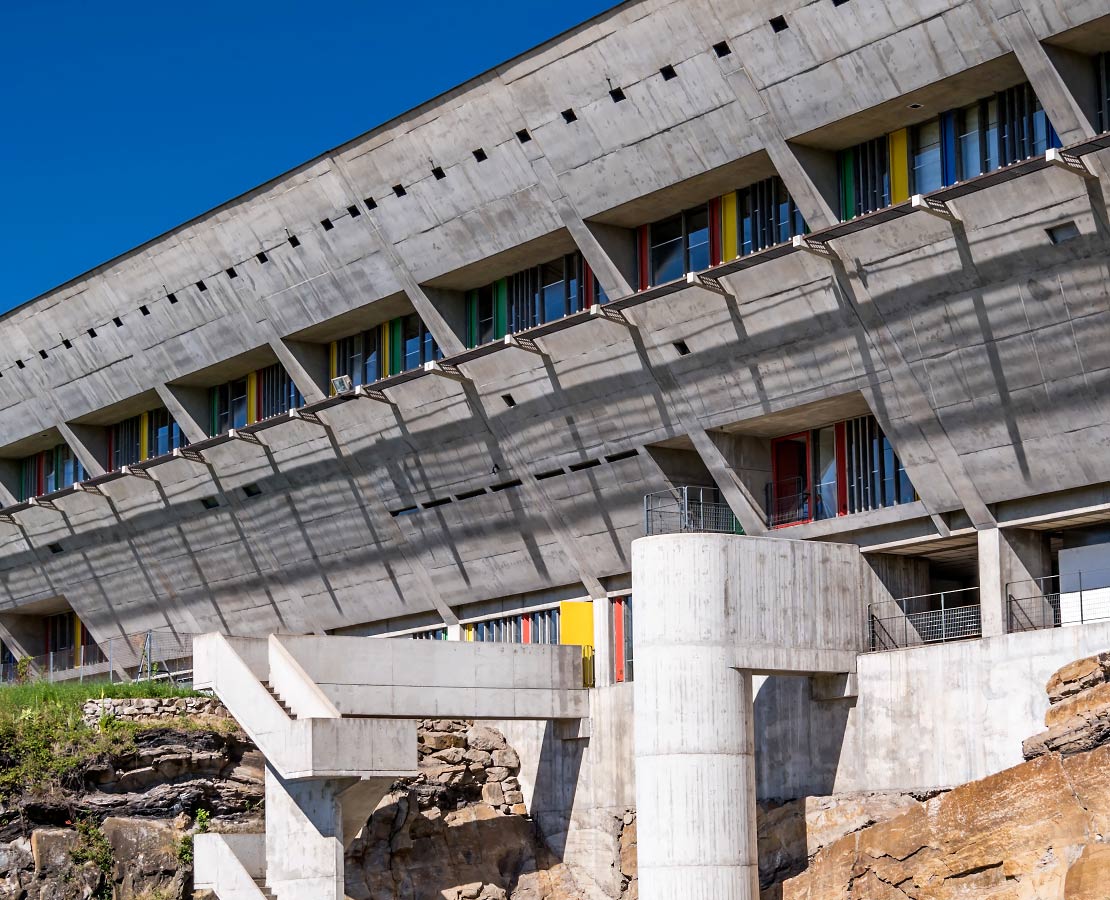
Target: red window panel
x=618, y=640
x=791, y=480
x=841, y=469
x=715, y=231
x=526, y=629
x=588, y=279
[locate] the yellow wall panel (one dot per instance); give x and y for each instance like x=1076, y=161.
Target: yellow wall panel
x=730, y=248
x=252, y=397
x=899, y=149
x=576, y=623
x=144, y=436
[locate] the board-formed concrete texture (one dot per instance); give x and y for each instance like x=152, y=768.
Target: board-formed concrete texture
x=508, y=480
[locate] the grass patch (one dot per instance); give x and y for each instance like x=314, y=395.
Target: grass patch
x=43, y=735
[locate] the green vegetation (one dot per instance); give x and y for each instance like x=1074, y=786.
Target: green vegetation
x=92, y=846
x=43, y=737
x=185, y=845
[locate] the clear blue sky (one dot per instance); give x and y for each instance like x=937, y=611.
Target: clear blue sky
x=121, y=120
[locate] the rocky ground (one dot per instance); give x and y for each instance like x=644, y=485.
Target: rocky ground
x=1033, y=832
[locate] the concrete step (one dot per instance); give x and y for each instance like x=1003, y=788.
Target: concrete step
x=266, y=892
x=270, y=690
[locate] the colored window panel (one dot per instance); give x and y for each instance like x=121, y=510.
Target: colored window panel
x=927, y=172
x=767, y=216
x=164, y=434
x=789, y=491
x=276, y=392
x=900, y=174
x=125, y=440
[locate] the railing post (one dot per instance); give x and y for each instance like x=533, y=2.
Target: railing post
x=50, y=659
x=943, y=621
x=1079, y=575
x=111, y=661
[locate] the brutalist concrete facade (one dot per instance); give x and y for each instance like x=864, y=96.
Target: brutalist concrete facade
x=972, y=324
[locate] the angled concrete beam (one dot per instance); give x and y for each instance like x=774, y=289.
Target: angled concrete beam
x=1068, y=162
x=707, y=283
x=142, y=474
x=87, y=444
x=445, y=370
x=937, y=208
x=616, y=316
x=816, y=248
x=236, y=435
x=188, y=406
x=304, y=415
x=369, y=392
x=190, y=454
x=524, y=343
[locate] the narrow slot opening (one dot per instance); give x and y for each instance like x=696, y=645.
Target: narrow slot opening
x=354, y=212
x=505, y=485
x=570, y=116
x=438, y=173
x=172, y=298
x=469, y=495
x=585, y=464
x=480, y=155
x=399, y=190
x=668, y=73
x=251, y=490
x=779, y=23
x=617, y=94
x=623, y=455
x=294, y=241
x=327, y=224
x=551, y=473
x=523, y=136
x=66, y=343
x=55, y=548
x=20, y=364
x=262, y=257
x=201, y=286
x=432, y=504
x=722, y=49
x=118, y=322
x=209, y=502
x=42, y=354
x=231, y=273
x=682, y=348
x=1065, y=231
x=508, y=400
x=406, y=511
x=144, y=310
x=371, y=203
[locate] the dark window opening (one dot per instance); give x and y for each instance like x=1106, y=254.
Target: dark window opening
x=354, y=212
x=617, y=94
x=506, y=485
x=722, y=49
x=172, y=298
x=1066, y=231
x=125, y=443
x=623, y=455
x=92, y=332
x=523, y=136
x=201, y=286
x=508, y=400
x=144, y=310
x=209, y=502
x=327, y=224
x=480, y=155
x=371, y=203
x=19, y=364
x=551, y=473
x=778, y=23
x=276, y=392
x=668, y=73
x=470, y=495
x=682, y=348
x=585, y=464
x=251, y=490
x=678, y=245
x=294, y=241
x=118, y=322
x=262, y=257
x=399, y=190
x=438, y=173
x=839, y=2
x=55, y=548
x=569, y=116
x=406, y=511
x=66, y=343
x=42, y=354
x=231, y=273
x=432, y=504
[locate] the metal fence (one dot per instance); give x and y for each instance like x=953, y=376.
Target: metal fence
x=145, y=656
x=1056, y=601
x=688, y=509
x=788, y=502
x=925, y=619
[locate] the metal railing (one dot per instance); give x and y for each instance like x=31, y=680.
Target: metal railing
x=925, y=619
x=688, y=508
x=1056, y=601
x=789, y=502
x=145, y=656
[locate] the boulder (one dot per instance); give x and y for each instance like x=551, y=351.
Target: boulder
x=1078, y=676
x=1089, y=876
x=480, y=737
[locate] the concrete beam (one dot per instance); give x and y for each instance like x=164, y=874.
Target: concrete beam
x=189, y=408
x=306, y=364
x=89, y=444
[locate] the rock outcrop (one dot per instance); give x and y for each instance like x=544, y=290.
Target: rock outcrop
x=1029, y=833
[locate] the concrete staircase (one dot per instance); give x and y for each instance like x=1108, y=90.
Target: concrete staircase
x=336, y=719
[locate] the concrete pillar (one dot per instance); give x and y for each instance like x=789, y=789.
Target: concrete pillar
x=1007, y=556
x=304, y=838
x=603, y=642
x=695, y=758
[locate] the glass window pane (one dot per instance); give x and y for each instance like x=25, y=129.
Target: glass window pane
x=993, y=150
x=697, y=229
x=666, y=251
x=926, y=157
x=826, y=487
x=970, y=162
x=553, y=289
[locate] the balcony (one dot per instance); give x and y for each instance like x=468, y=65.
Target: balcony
x=1071, y=598
x=686, y=508
x=925, y=619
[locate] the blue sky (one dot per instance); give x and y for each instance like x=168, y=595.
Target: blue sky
x=124, y=119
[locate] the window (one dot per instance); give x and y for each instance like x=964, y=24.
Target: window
x=164, y=435
x=541, y=294
x=49, y=471
x=417, y=344
x=229, y=406
x=125, y=443
x=767, y=216
x=835, y=470
x=360, y=357
x=277, y=393
x=436, y=634
x=926, y=171
x=678, y=245
x=864, y=178
x=1002, y=130
x=540, y=627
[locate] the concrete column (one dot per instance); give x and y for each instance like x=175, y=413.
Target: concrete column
x=695, y=761
x=1007, y=556
x=304, y=838
x=603, y=642
x=89, y=444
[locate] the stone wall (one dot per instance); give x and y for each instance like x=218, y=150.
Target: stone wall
x=152, y=709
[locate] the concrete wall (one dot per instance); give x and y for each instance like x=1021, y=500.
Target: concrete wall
x=926, y=717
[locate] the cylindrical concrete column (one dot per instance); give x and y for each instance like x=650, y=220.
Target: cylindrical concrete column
x=695, y=765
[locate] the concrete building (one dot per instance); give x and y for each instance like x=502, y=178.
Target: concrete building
x=819, y=273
